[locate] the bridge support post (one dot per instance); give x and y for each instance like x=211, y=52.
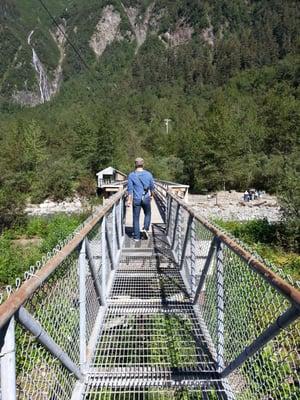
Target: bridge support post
x=193, y=257
x=8, y=361
x=169, y=214
x=109, y=249
x=179, y=237
x=114, y=237
x=119, y=222
x=122, y=212
x=186, y=241
x=174, y=225
x=82, y=307
x=186, y=259
x=220, y=306
x=94, y=272
x=205, y=270
x=104, y=263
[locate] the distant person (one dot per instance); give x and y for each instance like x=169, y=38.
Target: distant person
x=246, y=195
x=140, y=193
x=252, y=194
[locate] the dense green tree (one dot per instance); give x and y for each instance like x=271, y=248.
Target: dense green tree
x=233, y=101
x=12, y=204
x=289, y=192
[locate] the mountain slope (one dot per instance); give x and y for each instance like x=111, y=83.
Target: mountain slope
x=200, y=42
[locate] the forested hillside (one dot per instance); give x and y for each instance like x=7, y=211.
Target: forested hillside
x=225, y=72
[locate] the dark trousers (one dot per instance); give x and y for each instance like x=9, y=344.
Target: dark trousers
x=137, y=206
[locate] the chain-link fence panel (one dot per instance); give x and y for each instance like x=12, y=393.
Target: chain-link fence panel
x=58, y=307
x=94, y=254
x=55, y=306
x=242, y=308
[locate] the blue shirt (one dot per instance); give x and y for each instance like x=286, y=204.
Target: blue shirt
x=139, y=182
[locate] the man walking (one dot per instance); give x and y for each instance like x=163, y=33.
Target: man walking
x=140, y=192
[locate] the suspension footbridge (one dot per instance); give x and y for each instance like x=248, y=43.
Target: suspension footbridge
x=189, y=313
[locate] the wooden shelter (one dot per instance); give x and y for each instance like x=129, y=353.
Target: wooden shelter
x=110, y=180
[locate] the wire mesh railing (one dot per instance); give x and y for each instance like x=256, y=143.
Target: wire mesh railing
x=49, y=324
x=245, y=314
x=250, y=314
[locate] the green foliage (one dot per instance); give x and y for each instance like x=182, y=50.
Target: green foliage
x=253, y=231
x=18, y=251
x=86, y=186
x=272, y=241
x=286, y=389
x=59, y=227
x=290, y=198
x=11, y=206
x=15, y=261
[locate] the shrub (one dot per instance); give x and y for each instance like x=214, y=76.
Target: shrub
x=86, y=186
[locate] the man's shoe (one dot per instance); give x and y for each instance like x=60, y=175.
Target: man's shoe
x=146, y=234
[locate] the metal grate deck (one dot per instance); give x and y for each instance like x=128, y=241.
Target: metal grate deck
x=141, y=286
x=207, y=391
x=156, y=343
x=152, y=262
x=151, y=345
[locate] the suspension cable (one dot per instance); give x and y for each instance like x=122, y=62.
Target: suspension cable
x=76, y=50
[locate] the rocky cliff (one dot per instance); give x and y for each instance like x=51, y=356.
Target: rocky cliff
x=37, y=52
x=36, y=57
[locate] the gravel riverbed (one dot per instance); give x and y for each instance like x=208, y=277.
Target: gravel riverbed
x=230, y=206
x=223, y=205
x=50, y=207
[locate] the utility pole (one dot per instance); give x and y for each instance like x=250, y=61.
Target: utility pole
x=167, y=121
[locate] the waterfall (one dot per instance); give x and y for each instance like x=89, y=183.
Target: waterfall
x=44, y=85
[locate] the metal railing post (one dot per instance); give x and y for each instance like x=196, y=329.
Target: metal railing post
x=174, y=226
x=186, y=241
x=104, y=264
x=193, y=257
x=220, y=305
x=8, y=361
x=82, y=307
x=205, y=270
x=166, y=201
x=122, y=212
x=114, y=252
x=168, y=221
x=94, y=271
x=118, y=225
x=120, y=222
x=179, y=238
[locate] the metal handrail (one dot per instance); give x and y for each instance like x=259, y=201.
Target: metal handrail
x=169, y=183
x=18, y=298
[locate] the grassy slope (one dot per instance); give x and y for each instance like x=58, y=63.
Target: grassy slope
x=16, y=259
x=262, y=237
